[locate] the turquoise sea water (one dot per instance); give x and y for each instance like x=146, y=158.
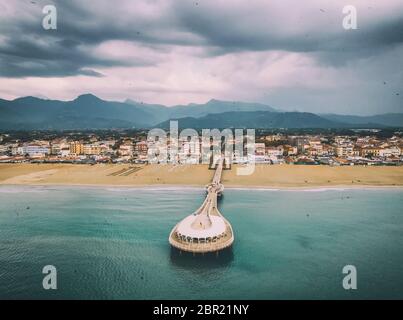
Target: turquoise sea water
x=112, y=243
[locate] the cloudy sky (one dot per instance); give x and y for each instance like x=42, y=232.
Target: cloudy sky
x=293, y=55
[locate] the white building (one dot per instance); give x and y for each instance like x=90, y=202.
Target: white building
x=390, y=151
x=126, y=150
x=35, y=150
x=64, y=152
x=274, y=151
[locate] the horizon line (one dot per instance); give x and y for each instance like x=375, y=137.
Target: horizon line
x=189, y=104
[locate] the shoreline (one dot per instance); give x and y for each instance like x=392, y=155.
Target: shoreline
x=275, y=177
x=198, y=187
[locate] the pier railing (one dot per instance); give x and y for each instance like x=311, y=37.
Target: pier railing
x=209, y=207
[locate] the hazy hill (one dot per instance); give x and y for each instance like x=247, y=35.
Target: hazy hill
x=90, y=112
x=86, y=111
x=199, y=110
x=387, y=119
x=256, y=119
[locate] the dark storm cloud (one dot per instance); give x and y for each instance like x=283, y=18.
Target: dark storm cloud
x=32, y=55
x=368, y=41
x=24, y=56
x=234, y=30
x=26, y=49
x=388, y=32
x=218, y=28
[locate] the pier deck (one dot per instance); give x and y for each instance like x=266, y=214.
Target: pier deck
x=207, y=210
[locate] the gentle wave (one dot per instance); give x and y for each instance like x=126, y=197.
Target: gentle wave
x=36, y=188
x=320, y=189
x=151, y=188
x=19, y=189
x=251, y=189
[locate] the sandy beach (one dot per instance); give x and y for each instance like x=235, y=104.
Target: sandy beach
x=265, y=176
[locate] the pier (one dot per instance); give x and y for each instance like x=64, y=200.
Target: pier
x=206, y=230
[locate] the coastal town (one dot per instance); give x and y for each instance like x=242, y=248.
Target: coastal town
x=368, y=148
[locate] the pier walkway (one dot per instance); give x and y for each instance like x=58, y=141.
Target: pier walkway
x=206, y=230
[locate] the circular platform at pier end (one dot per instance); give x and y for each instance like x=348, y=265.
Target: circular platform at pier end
x=193, y=227
x=206, y=230
x=186, y=237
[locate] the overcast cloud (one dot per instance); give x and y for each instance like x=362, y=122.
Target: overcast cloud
x=293, y=55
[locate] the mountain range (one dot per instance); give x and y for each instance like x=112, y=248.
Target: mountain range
x=386, y=119
x=90, y=112
x=256, y=119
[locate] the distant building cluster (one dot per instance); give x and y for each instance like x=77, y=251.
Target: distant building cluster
x=337, y=150
x=328, y=150
x=311, y=149
x=66, y=150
